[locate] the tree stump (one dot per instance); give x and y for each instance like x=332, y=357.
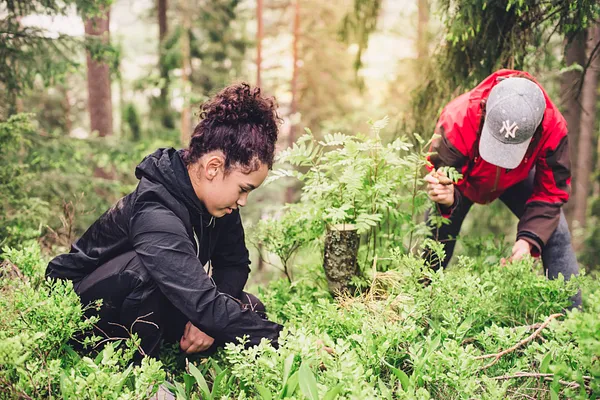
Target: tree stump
x=339, y=258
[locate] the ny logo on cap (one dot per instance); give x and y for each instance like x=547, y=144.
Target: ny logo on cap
x=511, y=130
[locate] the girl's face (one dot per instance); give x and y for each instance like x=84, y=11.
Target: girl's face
x=219, y=192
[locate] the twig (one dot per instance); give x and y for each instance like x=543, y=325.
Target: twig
x=522, y=375
x=139, y=319
x=528, y=339
x=546, y=377
x=110, y=339
x=521, y=394
x=585, y=68
x=527, y=327
x=9, y=388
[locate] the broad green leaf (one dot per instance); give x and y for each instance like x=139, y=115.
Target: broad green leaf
x=544, y=366
x=292, y=385
x=333, y=393
x=189, y=382
x=124, y=377
x=308, y=383
x=263, y=392
x=401, y=375
x=200, y=380
x=176, y=388
x=287, y=368
x=217, y=382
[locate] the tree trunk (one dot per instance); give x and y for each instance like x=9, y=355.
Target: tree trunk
x=571, y=107
x=259, y=36
x=162, y=20
x=186, y=66
x=98, y=79
x=339, y=257
x=586, y=131
x=423, y=30
x=165, y=111
x=290, y=192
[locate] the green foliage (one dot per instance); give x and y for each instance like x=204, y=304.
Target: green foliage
x=412, y=333
x=86, y=176
x=358, y=25
x=29, y=259
x=29, y=52
x=38, y=322
x=359, y=180
x=481, y=36
x=132, y=119
x=195, y=384
x=217, y=40
x=20, y=215
x=401, y=339
x=284, y=233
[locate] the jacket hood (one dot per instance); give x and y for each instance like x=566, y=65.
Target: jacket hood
x=166, y=166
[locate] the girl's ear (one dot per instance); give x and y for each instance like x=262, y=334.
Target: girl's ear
x=213, y=165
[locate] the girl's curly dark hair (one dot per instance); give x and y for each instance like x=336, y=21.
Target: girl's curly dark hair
x=239, y=122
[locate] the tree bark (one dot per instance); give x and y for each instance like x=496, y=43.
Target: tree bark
x=162, y=19
x=259, y=36
x=586, y=131
x=291, y=191
x=166, y=116
x=98, y=79
x=423, y=30
x=571, y=106
x=339, y=257
x=186, y=66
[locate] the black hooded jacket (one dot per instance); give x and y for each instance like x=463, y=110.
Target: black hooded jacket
x=174, y=236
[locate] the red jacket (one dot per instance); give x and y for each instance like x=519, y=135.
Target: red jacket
x=459, y=127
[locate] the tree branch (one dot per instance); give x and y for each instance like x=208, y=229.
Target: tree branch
x=585, y=68
x=528, y=339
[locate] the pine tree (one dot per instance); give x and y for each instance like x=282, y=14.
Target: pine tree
x=27, y=52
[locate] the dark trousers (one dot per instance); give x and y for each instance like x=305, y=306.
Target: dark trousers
x=558, y=256
x=132, y=303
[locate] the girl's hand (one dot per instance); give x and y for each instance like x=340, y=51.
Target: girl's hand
x=194, y=340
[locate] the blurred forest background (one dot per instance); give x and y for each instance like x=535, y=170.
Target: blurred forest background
x=88, y=88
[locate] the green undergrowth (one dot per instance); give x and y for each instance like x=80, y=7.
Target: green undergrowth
x=412, y=333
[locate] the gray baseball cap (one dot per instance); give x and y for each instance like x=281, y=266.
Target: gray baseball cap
x=514, y=110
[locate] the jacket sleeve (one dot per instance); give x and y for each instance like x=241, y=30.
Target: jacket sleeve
x=551, y=189
x=445, y=153
x=160, y=240
x=231, y=259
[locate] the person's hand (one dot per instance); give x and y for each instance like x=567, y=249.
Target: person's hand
x=440, y=188
x=322, y=346
x=520, y=249
x=194, y=340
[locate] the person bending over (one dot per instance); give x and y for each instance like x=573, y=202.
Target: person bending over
x=510, y=142
x=169, y=260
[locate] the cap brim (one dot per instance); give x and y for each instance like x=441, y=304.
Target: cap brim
x=501, y=154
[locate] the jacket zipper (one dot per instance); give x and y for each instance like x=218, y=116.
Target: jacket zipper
x=209, y=272
x=197, y=243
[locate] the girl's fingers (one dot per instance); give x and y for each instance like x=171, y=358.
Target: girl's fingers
x=184, y=344
x=186, y=331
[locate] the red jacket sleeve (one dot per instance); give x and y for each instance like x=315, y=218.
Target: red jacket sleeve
x=449, y=149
